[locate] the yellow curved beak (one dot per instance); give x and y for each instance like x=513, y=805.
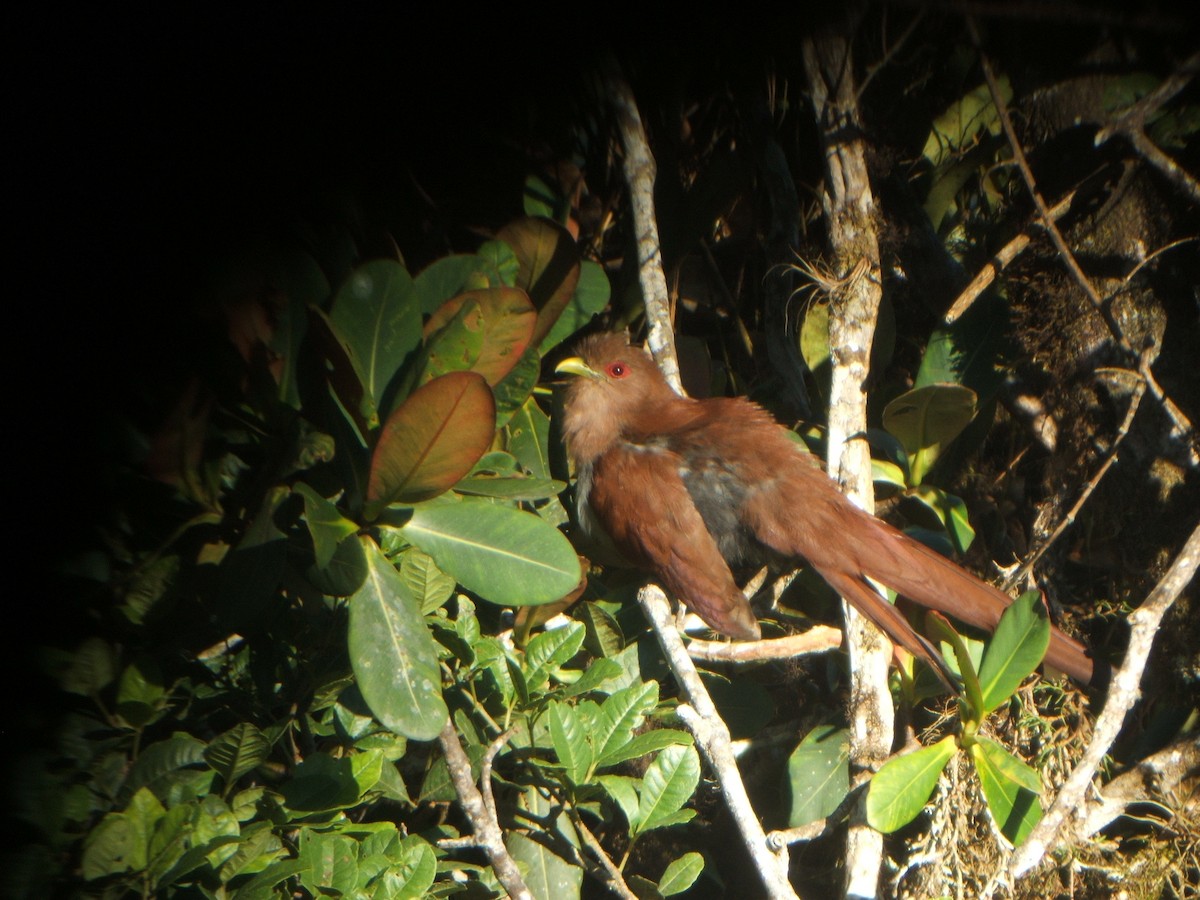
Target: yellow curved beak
x=574, y=365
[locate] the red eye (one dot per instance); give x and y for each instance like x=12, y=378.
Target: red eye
x=617, y=369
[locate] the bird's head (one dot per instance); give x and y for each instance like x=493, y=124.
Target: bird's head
x=615, y=388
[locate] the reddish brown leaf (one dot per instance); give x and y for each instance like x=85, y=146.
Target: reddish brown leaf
x=549, y=270
x=432, y=440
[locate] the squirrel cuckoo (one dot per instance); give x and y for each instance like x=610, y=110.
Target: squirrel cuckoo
x=687, y=487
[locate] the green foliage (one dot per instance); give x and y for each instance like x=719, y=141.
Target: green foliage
x=353, y=525
x=902, y=787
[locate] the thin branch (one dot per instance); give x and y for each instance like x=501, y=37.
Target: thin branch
x=1069, y=519
x=1182, y=429
x=1131, y=126
x=998, y=263
x=712, y=736
x=817, y=639
x=611, y=874
x=700, y=716
x=640, y=171
x=483, y=822
x=849, y=210
x=1067, y=813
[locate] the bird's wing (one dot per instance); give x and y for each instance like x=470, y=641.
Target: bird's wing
x=639, y=496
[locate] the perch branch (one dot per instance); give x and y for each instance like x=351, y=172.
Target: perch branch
x=816, y=640
x=849, y=210
x=640, y=171
x=483, y=821
x=700, y=716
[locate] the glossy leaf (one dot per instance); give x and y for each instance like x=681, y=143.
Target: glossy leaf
x=818, y=774
x=393, y=654
x=514, y=488
x=949, y=511
x=641, y=745
x=238, y=751
x=961, y=123
x=573, y=743
x=902, y=787
x=1012, y=789
x=619, y=715
x=516, y=387
x=430, y=585
x=323, y=782
x=507, y=556
x=1015, y=649
x=681, y=874
x=485, y=331
x=549, y=267
x=375, y=311
x=432, y=440
x=327, y=526
x=529, y=438
x=345, y=573
x=451, y=275
x=927, y=419
x=331, y=862
x=668, y=784
x=550, y=650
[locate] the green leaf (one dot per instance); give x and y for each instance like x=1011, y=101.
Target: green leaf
x=646, y=743
x=327, y=526
x=1012, y=789
x=600, y=671
x=323, y=782
x=262, y=886
x=393, y=654
x=107, y=847
x=149, y=588
x=814, y=343
x=623, y=789
x=902, y=787
x=926, y=419
x=604, y=635
x=93, y=667
x=238, y=751
x=947, y=510
x=591, y=295
x=451, y=275
x=539, y=199
x=430, y=585
x=501, y=264
x=158, y=762
x=140, y=692
x=516, y=387
x=518, y=487
x=668, y=784
x=818, y=774
x=549, y=267
x=411, y=874
x=887, y=477
x=346, y=572
x=681, y=874
x=619, y=715
x=961, y=123
x=550, y=650
x=1015, y=649
x=529, y=438
x=342, y=371
x=376, y=311
x=507, y=556
x=572, y=741
x=485, y=331
x=331, y=862
x=432, y=440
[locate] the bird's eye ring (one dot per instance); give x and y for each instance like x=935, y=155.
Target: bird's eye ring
x=617, y=369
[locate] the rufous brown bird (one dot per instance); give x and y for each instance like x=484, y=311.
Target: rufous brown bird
x=686, y=488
